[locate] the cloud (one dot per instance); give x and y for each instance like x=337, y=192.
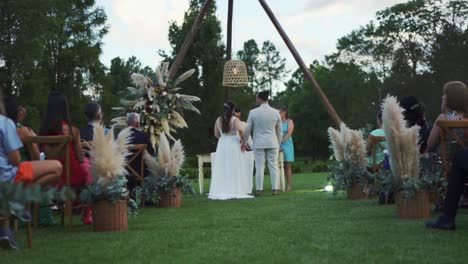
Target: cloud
x=315, y=9
x=145, y=21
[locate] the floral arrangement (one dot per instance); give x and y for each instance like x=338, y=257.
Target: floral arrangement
x=165, y=171
x=349, y=151
x=410, y=171
x=108, y=161
x=158, y=102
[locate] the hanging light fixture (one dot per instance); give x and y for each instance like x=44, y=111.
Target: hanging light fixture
x=235, y=74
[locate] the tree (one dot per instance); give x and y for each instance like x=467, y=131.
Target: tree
x=249, y=55
x=207, y=57
x=350, y=89
x=51, y=44
x=271, y=67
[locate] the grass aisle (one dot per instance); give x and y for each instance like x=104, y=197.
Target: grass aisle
x=304, y=226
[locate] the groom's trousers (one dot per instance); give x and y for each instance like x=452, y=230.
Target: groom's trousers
x=271, y=156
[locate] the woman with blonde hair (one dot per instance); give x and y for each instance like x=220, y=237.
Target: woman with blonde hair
x=454, y=108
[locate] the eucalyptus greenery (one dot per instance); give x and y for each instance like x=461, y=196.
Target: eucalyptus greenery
x=113, y=192
x=343, y=175
x=14, y=197
x=431, y=179
x=154, y=187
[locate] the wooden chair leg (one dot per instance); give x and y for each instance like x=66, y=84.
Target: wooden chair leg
x=15, y=225
x=62, y=214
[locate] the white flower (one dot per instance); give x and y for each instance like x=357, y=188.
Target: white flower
x=164, y=93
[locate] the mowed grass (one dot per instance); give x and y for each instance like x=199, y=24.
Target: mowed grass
x=306, y=225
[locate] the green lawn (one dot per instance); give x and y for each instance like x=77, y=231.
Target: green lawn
x=304, y=226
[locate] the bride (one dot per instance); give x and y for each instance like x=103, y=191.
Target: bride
x=232, y=174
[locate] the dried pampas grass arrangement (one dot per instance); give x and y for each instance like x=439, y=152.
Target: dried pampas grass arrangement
x=169, y=161
x=108, y=156
x=348, y=146
x=402, y=141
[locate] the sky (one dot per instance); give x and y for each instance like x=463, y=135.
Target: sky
x=140, y=27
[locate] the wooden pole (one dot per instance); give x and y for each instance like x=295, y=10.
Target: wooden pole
x=189, y=40
x=308, y=75
x=229, y=41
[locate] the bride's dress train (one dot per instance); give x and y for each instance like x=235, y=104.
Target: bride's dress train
x=232, y=173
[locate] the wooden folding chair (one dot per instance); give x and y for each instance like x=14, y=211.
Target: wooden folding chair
x=56, y=147
x=139, y=151
x=447, y=133
x=376, y=143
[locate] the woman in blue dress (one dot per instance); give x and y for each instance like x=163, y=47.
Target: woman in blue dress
x=287, y=145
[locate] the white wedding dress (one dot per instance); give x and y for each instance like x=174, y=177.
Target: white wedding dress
x=232, y=170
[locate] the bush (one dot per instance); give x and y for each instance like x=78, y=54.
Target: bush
x=192, y=172
x=320, y=166
x=297, y=167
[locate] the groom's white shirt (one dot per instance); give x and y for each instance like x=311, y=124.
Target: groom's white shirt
x=265, y=121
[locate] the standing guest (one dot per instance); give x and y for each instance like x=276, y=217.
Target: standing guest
x=93, y=113
x=380, y=148
x=137, y=138
x=57, y=122
x=454, y=107
x=17, y=114
x=456, y=185
x=287, y=145
x=13, y=170
x=415, y=115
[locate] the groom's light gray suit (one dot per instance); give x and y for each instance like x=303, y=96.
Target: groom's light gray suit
x=265, y=122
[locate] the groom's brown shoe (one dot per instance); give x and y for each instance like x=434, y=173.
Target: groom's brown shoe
x=258, y=193
x=275, y=192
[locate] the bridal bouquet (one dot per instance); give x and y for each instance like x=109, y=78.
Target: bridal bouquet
x=158, y=102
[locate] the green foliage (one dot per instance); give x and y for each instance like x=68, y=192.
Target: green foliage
x=271, y=67
x=342, y=176
x=154, y=187
x=431, y=179
x=113, y=192
x=207, y=56
x=351, y=90
x=51, y=44
x=14, y=197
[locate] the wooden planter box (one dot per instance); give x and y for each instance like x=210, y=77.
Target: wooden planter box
x=110, y=217
x=416, y=208
x=171, y=199
x=357, y=192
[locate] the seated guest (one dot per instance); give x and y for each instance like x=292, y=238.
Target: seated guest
x=57, y=122
x=137, y=137
x=17, y=114
x=456, y=185
x=93, y=113
x=414, y=114
x=454, y=107
x=381, y=146
x=12, y=170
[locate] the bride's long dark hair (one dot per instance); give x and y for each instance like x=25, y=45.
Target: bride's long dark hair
x=227, y=114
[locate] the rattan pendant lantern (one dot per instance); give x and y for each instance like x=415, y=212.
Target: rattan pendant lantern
x=235, y=74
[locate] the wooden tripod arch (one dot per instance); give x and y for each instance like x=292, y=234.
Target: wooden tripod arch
x=308, y=75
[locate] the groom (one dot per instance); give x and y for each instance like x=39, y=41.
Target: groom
x=265, y=122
